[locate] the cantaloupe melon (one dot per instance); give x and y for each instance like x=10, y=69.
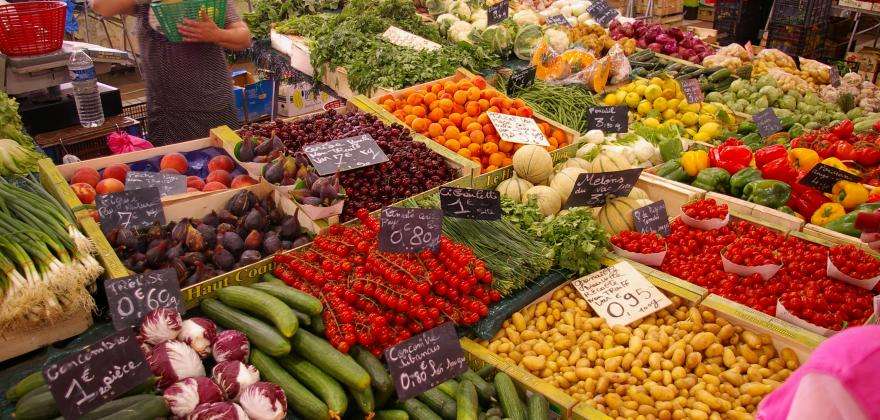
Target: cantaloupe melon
x=514, y=188
x=547, y=199
x=564, y=180
x=637, y=193
x=616, y=215
x=577, y=162
x=607, y=162
x=533, y=163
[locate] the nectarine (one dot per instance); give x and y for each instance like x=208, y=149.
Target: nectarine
x=214, y=186
x=243, y=181
x=109, y=185
x=116, y=171
x=171, y=171
x=85, y=192
x=176, y=161
x=193, y=181
x=220, y=176
x=86, y=175
x=221, y=162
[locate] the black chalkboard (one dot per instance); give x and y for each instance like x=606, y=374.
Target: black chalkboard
x=602, y=12
x=558, y=20
x=521, y=79
x=610, y=119
x=168, y=184
x=834, y=75
x=133, y=297
x=425, y=360
x=652, y=218
x=344, y=154
x=591, y=189
x=497, y=13
x=466, y=203
x=409, y=230
x=96, y=374
x=132, y=209
x=767, y=122
x=692, y=91
x=823, y=177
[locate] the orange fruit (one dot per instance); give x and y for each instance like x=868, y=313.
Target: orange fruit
x=491, y=168
x=475, y=149
x=464, y=84
x=506, y=103
x=460, y=97
x=464, y=152
x=479, y=82
x=436, y=114
x=477, y=160
x=493, y=138
x=507, y=162
x=473, y=108
x=419, y=111
x=505, y=146
x=559, y=135
x=518, y=103
x=525, y=112
x=484, y=104
x=494, y=109
x=474, y=126
x=496, y=101
x=489, y=148
x=437, y=87
x=444, y=122
x=488, y=129
x=429, y=98
x=409, y=119
x=420, y=124
x=400, y=115
x=459, y=109
x=473, y=93
x=477, y=136
x=414, y=99
x=451, y=132
x=435, y=130
x=455, y=118
x=449, y=86
x=385, y=98
x=446, y=105
x=452, y=144
x=483, y=119
x=464, y=140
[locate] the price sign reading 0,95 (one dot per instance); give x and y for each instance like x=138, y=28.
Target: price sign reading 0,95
x=409, y=230
x=620, y=294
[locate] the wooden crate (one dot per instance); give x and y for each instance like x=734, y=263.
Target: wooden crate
x=708, y=35
x=661, y=7
x=706, y=13
x=817, y=233
x=766, y=215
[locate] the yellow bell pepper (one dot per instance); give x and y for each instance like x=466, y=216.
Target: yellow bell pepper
x=827, y=213
x=694, y=161
x=837, y=163
x=849, y=194
x=803, y=158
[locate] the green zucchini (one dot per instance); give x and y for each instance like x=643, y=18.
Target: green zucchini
x=539, y=408
x=262, y=305
x=27, y=384
x=466, y=401
x=36, y=407
x=363, y=399
x=511, y=405
x=299, y=398
x=419, y=411
x=317, y=381
x=486, y=372
x=318, y=325
x=440, y=403
x=380, y=380
x=391, y=415
x=336, y=364
x=294, y=298
x=111, y=407
x=147, y=409
x=719, y=75
x=262, y=335
x=485, y=389
x=449, y=387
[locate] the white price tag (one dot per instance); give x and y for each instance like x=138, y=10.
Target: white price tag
x=620, y=294
x=517, y=129
x=406, y=39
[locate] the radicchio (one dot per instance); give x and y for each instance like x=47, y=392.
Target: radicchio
x=160, y=325
x=234, y=376
x=198, y=333
x=173, y=360
x=218, y=411
x=184, y=396
x=264, y=401
x=231, y=345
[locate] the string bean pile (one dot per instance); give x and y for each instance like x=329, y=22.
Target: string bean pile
x=565, y=104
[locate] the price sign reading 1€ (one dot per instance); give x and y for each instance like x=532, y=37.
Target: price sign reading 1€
x=517, y=129
x=620, y=294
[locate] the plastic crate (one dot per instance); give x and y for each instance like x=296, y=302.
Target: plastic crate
x=801, y=12
x=31, y=28
x=737, y=20
x=170, y=15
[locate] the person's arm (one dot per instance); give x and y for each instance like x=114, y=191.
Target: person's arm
x=236, y=36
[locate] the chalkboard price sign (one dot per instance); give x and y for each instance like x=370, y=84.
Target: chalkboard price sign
x=823, y=177
x=521, y=79
x=652, y=218
x=409, y=229
x=767, y=122
x=610, y=119
x=130, y=209
x=497, y=13
x=692, y=91
x=591, y=189
x=469, y=203
x=131, y=298
x=558, y=20
x=96, y=374
x=602, y=12
x=168, y=184
x=344, y=154
x=425, y=360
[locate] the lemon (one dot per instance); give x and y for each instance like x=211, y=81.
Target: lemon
x=690, y=132
x=710, y=109
x=640, y=82
x=651, y=122
x=702, y=136
x=711, y=128
x=673, y=103
x=689, y=118
x=704, y=119
x=692, y=107
x=653, y=92
x=610, y=100
x=621, y=96
x=660, y=104
x=669, y=114
x=640, y=89
x=632, y=99
x=644, y=107
x=672, y=122
x=656, y=81
x=671, y=84
x=668, y=93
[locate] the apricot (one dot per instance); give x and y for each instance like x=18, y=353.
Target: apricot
x=116, y=171
x=220, y=176
x=176, y=161
x=221, y=162
x=214, y=186
x=85, y=192
x=109, y=185
x=86, y=175
x=243, y=181
x=193, y=181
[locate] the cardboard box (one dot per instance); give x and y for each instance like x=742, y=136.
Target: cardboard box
x=253, y=98
x=706, y=14
x=301, y=98
x=868, y=59
x=661, y=7
x=856, y=4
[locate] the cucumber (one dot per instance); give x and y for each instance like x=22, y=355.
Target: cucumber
x=440, y=403
x=486, y=372
x=317, y=381
x=147, y=409
x=294, y=298
x=262, y=335
x=363, y=399
x=391, y=415
x=318, y=325
x=511, y=405
x=336, y=364
x=383, y=387
x=38, y=390
x=114, y=406
x=419, y=411
x=485, y=389
x=539, y=408
x=466, y=401
x=299, y=398
x=262, y=305
x=270, y=278
x=305, y=320
x=27, y=384
x=37, y=407
x=449, y=387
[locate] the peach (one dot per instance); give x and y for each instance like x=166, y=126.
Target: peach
x=109, y=185
x=86, y=175
x=221, y=162
x=243, y=181
x=85, y=192
x=193, y=181
x=116, y=171
x=214, y=186
x=220, y=176
x=176, y=161
x=191, y=189
x=171, y=171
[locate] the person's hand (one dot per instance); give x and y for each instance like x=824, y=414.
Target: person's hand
x=202, y=30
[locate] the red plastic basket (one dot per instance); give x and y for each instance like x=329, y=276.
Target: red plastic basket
x=30, y=28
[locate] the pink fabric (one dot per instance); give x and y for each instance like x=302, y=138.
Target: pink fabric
x=852, y=357
x=122, y=142
x=821, y=396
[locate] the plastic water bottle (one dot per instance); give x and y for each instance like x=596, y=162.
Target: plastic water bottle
x=85, y=89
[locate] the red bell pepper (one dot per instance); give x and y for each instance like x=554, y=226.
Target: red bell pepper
x=805, y=200
x=868, y=221
x=780, y=169
x=843, y=130
x=877, y=126
x=843, y=150
x=768, y=154
x=873, y=198
x=866, y=153
x=823, y=147
x=732, y=155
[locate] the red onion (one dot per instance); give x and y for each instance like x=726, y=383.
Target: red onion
x=184, y=396
x=173, y=360
x=160, y=325
x=218, y=411
x=264, y=401
x=231, y=345
x=234, y=376
x=199, y=333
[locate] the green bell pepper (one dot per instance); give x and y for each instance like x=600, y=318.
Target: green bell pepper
x=753, y=140
x=673, y=171
x=786, y=123
x=796, y=130
x=788, y=210
x=713, y=179
x=767, y=192
x=670, y=148
x=747, y=127
x=741, y=178
x=847, y=224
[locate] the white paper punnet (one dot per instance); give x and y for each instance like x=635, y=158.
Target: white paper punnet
x=654, y=259
x=707, y=224
x=787, y=316
x=836, y=274
x=766, y=271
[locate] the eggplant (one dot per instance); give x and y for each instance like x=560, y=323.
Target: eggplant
x=247, y=151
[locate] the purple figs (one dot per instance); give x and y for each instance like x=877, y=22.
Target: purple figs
x=178, y=232
x=226, y=216
x=253, y=220
x=241, y=203
x=209, y=234
x=312, y=201
x=249, y=257
x=211, y=219
x=271, y=243
x=174, y=252
x=194, y=239
x=285, y=244
x=156, y=254
x=225, y=227
x=125, y=238
x=274, y=172
x=191, y=258
x=181, y=270
x=232, y=242
x=302, y=240
x=263, y=148
x=289, y=226
x=254, y=240
x=246, y=151
x=223, y=258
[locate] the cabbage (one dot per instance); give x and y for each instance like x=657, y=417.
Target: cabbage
x=461, y=9
x=160, y=325
x=444, y=21
x=558, y=40
x=460, y=31
x=497, y=38
x=173, y=360
x=184, y=396
x=526, y=16
x=231, y=345
x=233, y=377
x=526, y=40
x=437, y=7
